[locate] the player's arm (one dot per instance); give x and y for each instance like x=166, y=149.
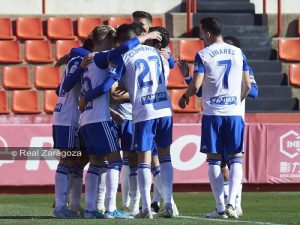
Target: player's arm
x=195, y=83
x=185, y=72
x=74, y=74
x=167, y=54
x=102, y=59
x=118, y=96
x=254, y=88
x=115, y=72
x=246, y=84
x=73, y=53
x=57, y=90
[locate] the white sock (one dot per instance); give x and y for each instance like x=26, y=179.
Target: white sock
x=216, y=182
x=134, y=190
x=125, y=186
x=226, y=191
x=157, y=187
x=91, y=187
x=144, y=178
x=102, y=187
x=76, y=188
x=112, y=181
x=235, y=179
x=166, y=175
x=61, y=186
x=156, y=195
x=238, y=201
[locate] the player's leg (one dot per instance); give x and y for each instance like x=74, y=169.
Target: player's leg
x=143, y=140
x=225, y=172
x=93, y=135
x=112, y=177
x=234, y=146
x=134, y=184
x=64, y=137
x=211, y=144
x=164, y=140
x=102, y=186
x=125, y=182
x=125, y=134
x=76, y=179
x=157, y=188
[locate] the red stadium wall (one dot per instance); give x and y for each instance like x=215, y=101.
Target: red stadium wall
x=272, y=155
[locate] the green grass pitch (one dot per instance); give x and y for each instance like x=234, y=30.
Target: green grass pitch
x=259, y=208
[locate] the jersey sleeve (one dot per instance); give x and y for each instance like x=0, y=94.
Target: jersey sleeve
x=245, y=63
x=102, y=59
x=78, y=52
x=100, y=90
x=116, y=68
x=254, y=88
x=122, y=49
x=198, y=65
x=171, y=60
x=73, y=74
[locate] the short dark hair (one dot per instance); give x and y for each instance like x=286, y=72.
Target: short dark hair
x=127, y=31
x=213, y=25
x=232, y=41
x=88, y=44
x=142, y=15
x=164, y=34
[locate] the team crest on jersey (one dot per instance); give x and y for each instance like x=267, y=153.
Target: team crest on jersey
x=73, y=68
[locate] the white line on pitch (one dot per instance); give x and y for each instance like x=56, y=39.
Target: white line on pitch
x=227, y=221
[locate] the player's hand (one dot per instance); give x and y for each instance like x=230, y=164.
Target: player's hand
x=87, y=60
x=164, y=52
x=183, y=101
x=116, y=117
x=62, y=61
x=184, y=68
x=120, y=90
x=82, y=103
x=151, y=35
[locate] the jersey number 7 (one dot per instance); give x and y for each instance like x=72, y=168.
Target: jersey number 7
x=227, y=64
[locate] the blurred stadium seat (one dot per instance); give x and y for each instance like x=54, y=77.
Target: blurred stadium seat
x=38, y=51
x=158, y=22
x=63, y=47
x=289, y=50
x=299, y=26
x=86, y=25
x=187, y=49
x=25, y=102
x=15, y=77
x=30, y=28
x=6, y=29
x=60, y=28
x=175, y=79
x=117, y=21
x=175, y=95
x=294, y=76
x=46, y=77
x=10, y=52
x=3, y=103
x=50, y=100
